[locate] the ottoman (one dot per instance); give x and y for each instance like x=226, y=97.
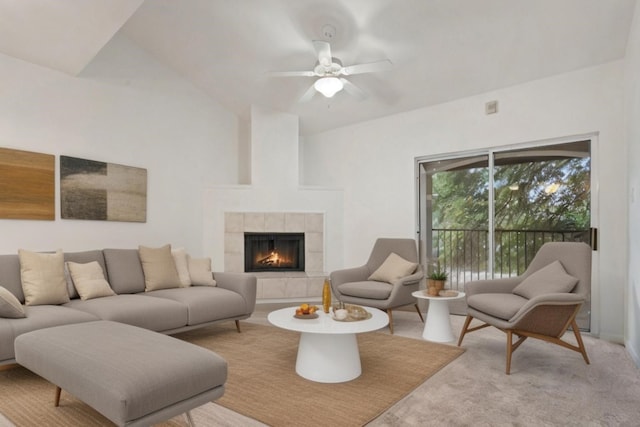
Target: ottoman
x=132, y=376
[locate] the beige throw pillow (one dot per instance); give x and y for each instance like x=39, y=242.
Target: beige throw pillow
x=550, y=279
x=10, y=307
x=89, y=281
x=159, y=268
x=393, y=268
x=182, y=265
x=200, y=272
x=42, y=276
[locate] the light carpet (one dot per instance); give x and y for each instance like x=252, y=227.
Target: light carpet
x=262, y=382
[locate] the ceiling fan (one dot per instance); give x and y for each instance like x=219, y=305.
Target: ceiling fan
x=330, y=71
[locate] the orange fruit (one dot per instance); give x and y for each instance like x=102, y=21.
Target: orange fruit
x=304, y=306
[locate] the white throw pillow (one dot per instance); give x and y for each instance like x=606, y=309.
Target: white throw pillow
x=200, y=272
x=89, y=281
x=182, y=265
x=10, y=307
x=393, y=268
x=159, y=268
x=42, y=276
x=551, y=279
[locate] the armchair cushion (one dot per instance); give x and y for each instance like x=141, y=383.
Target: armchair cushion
x=366, y=289
x=503, y=306
x=551, y=279
x=393, y=268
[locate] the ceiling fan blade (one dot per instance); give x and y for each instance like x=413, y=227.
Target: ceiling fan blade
x=370, y=67
x=353, y=90
x=291, y=74
x=323, y=49
x=306, y=97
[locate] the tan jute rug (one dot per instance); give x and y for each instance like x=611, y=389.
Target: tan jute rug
x=262, y=382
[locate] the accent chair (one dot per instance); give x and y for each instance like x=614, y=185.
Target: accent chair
x=387, y=279
x=542, y=303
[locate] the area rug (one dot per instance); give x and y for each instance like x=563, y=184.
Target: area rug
x=262, y=382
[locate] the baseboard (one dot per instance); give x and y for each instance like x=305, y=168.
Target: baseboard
x=633, y=352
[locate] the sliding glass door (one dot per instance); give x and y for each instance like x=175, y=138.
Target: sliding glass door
x=486, y=215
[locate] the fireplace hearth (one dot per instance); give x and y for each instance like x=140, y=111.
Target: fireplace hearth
x=273, y=252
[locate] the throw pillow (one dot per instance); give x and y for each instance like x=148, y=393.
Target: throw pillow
x=159, y=268
x=182, y=265
x=89, y=281
x=393, y=268
x=10, y=307
x=42, y=276
x=200, y=272
x=551, y=279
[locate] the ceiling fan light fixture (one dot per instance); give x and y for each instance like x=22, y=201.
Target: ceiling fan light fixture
x=328, y=86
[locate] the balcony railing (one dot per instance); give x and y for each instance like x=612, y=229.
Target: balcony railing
x=462, y=253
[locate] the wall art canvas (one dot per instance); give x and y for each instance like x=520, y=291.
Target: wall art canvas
x=102, y=191
x=27, y=185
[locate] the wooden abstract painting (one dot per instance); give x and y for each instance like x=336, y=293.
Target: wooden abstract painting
x=27, y=185
x=102, y=191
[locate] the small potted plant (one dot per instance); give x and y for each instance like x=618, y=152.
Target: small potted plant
x=436, y=280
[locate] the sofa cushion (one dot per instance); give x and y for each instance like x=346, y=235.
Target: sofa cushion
x=550, y=279
x=200, y=271
x=42, y=276
x=367, y=289
x=10, y=307
x=89, y=281
x=393, y=268
x=82, y=258
x=159, y=268
x=180, y=258
x=124, y=270
x=503, y=306
x=10, y=275
x=156, y=314
x=205, y=303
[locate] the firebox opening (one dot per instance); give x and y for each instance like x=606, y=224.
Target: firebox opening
x=273, y=252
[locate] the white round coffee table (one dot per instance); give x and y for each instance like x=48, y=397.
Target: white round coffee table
x=437, y=327
x=328, y=349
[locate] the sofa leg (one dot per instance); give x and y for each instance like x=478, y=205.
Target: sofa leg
x=56, y=401
x=238, y=326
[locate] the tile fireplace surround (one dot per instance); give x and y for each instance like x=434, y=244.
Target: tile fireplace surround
x=279, y=285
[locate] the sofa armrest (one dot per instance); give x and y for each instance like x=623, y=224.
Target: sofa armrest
x=495, y=286
x=347, y=275
x=411, y=279
x=242, y=283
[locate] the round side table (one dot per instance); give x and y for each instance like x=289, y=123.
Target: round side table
x=437, y=327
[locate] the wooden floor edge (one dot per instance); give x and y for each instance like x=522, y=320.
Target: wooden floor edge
x=8, y=366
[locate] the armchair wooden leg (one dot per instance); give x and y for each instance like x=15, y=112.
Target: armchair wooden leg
x=576, y=332
x=509, y=349
x=419, y=314
x=238, y=326
x=390, y=320
x=465, y=327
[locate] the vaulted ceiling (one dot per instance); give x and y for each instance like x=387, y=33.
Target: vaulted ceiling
x=441, y=50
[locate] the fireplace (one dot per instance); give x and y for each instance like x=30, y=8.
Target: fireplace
x=273, y=252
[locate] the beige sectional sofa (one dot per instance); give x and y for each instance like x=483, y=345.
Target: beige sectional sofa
x=160, y=307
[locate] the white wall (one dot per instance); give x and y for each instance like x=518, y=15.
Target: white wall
x=632, y=105
x=124, y=108
x=374, y=163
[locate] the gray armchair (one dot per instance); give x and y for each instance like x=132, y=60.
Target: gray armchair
x=353, y=286
x=541, y=303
